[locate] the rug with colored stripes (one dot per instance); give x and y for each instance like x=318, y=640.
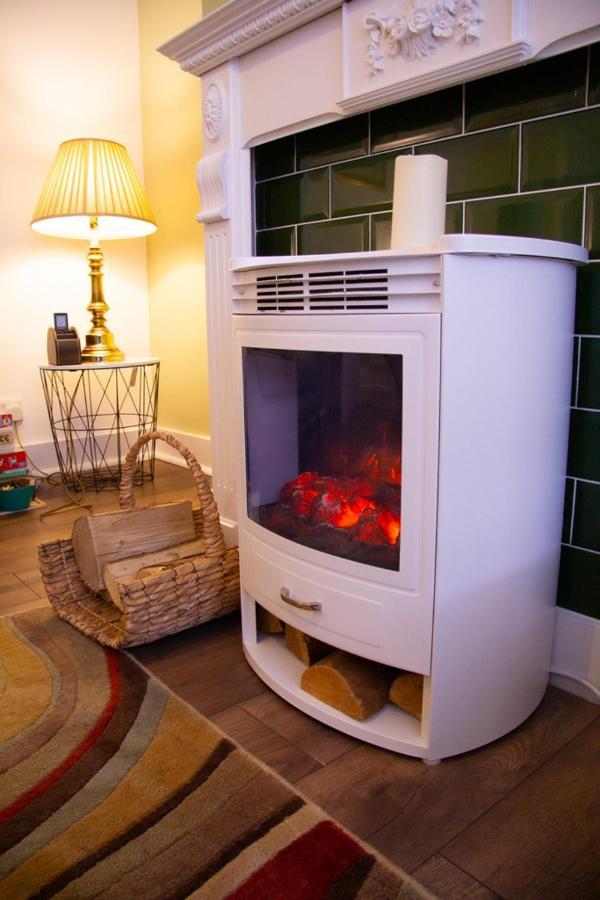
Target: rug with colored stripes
x=111, y=786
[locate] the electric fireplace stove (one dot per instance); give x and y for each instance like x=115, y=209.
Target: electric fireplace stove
x=404, y=420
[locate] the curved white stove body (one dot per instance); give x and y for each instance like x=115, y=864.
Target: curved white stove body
x=481, y=330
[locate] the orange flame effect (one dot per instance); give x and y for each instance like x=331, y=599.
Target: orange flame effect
x=344, y=502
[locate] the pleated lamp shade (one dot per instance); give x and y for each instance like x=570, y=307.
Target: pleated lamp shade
x=93, y=179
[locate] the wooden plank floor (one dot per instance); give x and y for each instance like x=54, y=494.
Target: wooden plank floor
x=518, y=819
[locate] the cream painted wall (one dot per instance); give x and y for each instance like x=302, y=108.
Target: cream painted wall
x=209, y=6
x=172, y=147
x=68, y=68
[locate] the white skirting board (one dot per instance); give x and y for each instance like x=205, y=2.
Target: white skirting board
x=199, y=445
x=43, y=454
x=575, y=665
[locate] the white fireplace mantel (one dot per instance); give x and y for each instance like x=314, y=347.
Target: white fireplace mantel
x=389, y=50
x=238, y=27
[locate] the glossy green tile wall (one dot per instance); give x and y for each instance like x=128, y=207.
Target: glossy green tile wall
x=556, y=215
x=544, y=88
x=297, y=198
x=346, y=139
x=561, y=150
x=480, y=165
x=523, y=150
x=364, y=186
x=422, y=119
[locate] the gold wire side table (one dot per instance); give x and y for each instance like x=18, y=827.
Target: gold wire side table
x=97, y=411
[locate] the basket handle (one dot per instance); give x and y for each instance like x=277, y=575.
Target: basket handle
x=211, y=525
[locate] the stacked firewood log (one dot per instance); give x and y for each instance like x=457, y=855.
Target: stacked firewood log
x=117, y=551
x=355, y=686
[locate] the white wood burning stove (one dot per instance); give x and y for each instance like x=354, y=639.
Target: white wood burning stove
x=405, y=421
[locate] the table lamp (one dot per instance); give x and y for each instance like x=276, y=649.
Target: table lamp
x=92, y=192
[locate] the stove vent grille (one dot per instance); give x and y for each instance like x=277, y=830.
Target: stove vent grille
x=335, y=290
x=337, y=286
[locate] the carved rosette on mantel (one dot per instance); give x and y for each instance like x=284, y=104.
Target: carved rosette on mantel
x=213, y=112
x=418, y=29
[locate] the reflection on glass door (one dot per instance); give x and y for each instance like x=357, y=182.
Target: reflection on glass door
x=324, y=450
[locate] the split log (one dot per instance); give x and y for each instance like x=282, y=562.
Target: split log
x=126, y=571
x=406, y=691
x=267, y=622
x=355, y=686
x=104, y=538
x=308, y=649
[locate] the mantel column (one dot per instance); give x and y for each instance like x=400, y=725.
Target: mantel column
x=223, y=177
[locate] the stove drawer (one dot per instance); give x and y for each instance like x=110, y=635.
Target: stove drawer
x=359, y=617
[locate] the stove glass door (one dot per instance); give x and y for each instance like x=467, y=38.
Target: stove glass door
x=323, y=434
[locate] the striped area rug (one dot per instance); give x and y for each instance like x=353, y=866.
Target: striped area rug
x=112, y=787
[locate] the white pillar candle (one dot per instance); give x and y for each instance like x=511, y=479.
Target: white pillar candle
x=419, y=205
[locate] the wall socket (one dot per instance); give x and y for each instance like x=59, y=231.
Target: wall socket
x=14, y=406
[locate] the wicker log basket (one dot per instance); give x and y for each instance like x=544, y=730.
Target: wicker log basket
x=188, y=593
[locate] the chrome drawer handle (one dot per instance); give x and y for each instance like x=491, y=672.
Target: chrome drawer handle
x=285, y=595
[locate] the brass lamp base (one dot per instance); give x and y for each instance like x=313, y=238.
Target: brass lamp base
x=101, y=348
x=99, y=342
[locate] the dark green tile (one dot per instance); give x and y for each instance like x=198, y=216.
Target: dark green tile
x=574, y=370
x=381, y=231
x=594, y=95
x=274, y=158
x=568, y=510
x=276, y=242
x=480, y=164
x=579, y=582
x=588, y=394
x=556, y=215
x=538, y=89
x=586, y=519
x=561, y=150
x=584, y=445
x=338, y=236
x=592, y=222
x=294, y=198
x=454, y=218
x=330, y=143
x=587, y=308
x=363, y=186
x=413, y=121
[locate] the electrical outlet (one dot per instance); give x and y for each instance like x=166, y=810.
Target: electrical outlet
x=7, y=439
x=14, y=406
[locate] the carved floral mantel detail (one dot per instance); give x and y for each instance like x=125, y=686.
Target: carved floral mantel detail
x=213, y=112
x=415, y=32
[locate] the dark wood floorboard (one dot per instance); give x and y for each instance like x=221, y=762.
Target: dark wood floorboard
x=269, y=746
x=542, y=839
x=455, y=794
x=205, y=665
x=321, y=743
x=514, y=820
x=446, y=880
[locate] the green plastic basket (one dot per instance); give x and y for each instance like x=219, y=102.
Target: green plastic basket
x=16, y=498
